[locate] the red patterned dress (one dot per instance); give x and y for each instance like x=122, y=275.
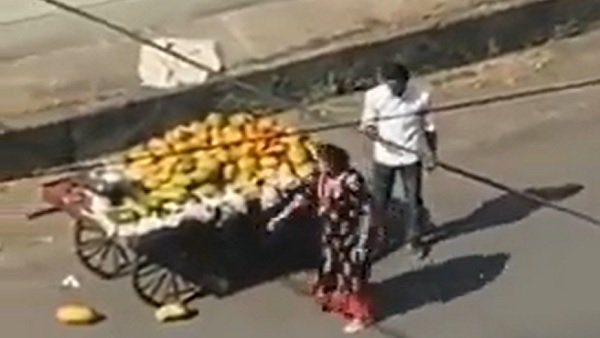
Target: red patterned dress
x=342, y=203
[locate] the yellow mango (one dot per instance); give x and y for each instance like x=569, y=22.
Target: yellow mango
x=180, y=180
x=275, y=148
x=243, y=178
x=247, y=164
x=206, y=190
x=260, y=146
x=235, y=152
x=157, y=143
x=151, y=183
x=136, y=153
x=247, y=148
x=77, y=314
x=285, y=170
x=174, y=194
x=185, y=165
x=311, y=146
x=142, y=162
x=135, y=174
x=250, y=191
x=229, y=171
x=232, y=135
x=173, y=312
x=305, y=169
x=265, y=123
x=214, y=120
x=201, y=175
x=182, y=147
x=161, y=152
x=240, y=119
x=251, y=132
x=200, y=154
x=297, y=154
x=215, y=139
x=221, y=155
x=167, y=165
x=209, y=163
x=269, y=162
x=267, y=174
x=194, y=127
x=163, y=175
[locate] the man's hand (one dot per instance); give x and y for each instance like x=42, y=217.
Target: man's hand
x=430, y=162
x=370, y=131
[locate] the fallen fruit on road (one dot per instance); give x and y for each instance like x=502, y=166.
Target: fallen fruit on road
x=173, y=312
x=77, y=314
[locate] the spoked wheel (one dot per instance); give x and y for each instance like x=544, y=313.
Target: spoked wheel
x=102, y=255
x=158, y=285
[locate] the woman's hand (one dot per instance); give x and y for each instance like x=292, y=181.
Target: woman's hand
x=272, y=224
x=359, y=253
x=378, y=240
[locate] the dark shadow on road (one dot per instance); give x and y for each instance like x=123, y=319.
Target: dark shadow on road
x=394, y=231
x=439, y=283
x=506, y=209
x=239, y=257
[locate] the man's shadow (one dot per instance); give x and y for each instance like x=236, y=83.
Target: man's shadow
x=505, y=209
x=439, y=283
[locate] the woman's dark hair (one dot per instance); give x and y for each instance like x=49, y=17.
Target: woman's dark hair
x=336, y=157
x=394, y=71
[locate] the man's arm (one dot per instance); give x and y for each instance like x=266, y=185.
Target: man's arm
x=368, y=121
x=430, y=132
x=421, y=106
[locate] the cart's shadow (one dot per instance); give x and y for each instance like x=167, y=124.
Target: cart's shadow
x=235, y=256
x=291, y=248
x=238, y=255
x=439, y=283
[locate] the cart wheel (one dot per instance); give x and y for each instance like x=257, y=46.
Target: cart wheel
x=104, y=256
x=157, y=285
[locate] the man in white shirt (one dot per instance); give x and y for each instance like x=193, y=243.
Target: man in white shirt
x=396, y=110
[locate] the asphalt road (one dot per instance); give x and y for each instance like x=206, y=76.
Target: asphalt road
x=504, y=268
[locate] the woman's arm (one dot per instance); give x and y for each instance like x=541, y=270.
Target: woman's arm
x=359, y=199
x=300, y=199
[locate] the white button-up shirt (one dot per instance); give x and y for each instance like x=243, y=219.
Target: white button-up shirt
x=398, y=120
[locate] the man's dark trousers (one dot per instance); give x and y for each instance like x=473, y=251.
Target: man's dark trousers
x=413, y=209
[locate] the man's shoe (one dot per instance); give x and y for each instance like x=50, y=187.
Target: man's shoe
x=418, y=249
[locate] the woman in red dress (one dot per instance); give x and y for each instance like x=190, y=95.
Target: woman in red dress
x=338, y=194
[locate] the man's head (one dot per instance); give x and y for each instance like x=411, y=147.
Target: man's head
x=394, y=74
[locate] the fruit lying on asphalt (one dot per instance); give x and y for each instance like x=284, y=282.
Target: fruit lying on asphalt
x=77, y=314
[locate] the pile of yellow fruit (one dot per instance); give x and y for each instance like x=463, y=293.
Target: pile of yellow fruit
x=241, y=152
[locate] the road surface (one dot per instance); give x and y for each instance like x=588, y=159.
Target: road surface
x=507, y=269
x=503, y=268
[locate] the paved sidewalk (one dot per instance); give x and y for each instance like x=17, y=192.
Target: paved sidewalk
x=52, y=59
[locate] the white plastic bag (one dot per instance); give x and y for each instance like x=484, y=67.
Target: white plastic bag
x=160, y=70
